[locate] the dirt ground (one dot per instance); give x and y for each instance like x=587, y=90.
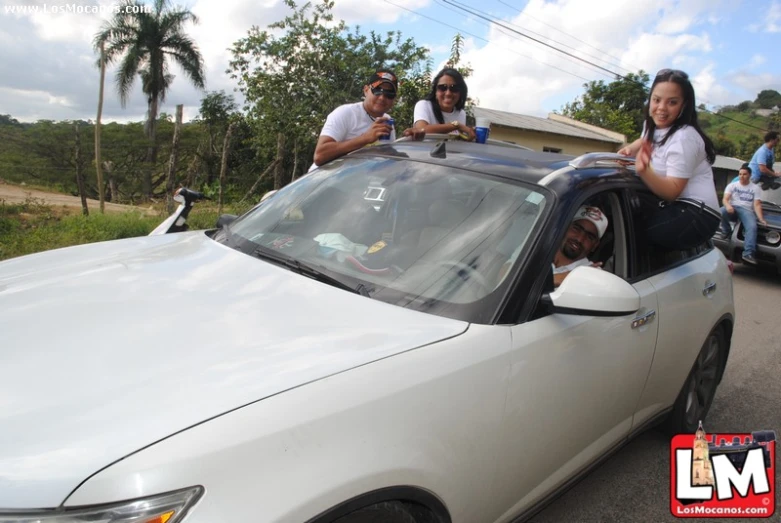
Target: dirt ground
x=19, y=194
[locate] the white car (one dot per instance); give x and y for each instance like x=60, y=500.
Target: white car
x=328, y=358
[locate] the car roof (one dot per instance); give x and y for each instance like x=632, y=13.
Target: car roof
x=505, y=160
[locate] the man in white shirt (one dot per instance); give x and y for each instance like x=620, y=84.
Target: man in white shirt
x=352, y=126
x=585, y=231
x=742, y=201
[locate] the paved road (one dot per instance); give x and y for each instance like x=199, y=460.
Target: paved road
x=633, y=486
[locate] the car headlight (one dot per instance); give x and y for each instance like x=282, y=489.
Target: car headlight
x=165, y=508
x=772, y=237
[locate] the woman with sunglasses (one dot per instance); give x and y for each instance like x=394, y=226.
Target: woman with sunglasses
x=674, y=158
x=442, y=111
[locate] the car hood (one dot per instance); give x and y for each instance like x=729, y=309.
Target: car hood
x=110, y=347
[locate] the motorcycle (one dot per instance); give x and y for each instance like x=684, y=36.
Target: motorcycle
x=177, y=221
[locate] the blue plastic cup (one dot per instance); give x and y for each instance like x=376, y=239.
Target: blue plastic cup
x=481, y=134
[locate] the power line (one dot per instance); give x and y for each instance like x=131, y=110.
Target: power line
x=484, y=40
x=524, y=13
x=501, y=30
x=478, y=14
x=489, y=19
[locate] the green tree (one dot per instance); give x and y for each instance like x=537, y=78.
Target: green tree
x=305, y=66
x=617, y=106
x=724, y=145
x=454, y=61
x=145, y=43
x=768, y=99
x=216, y=112
x=774, y=122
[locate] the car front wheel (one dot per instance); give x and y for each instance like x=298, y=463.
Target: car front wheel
x=387, y=512
x=698, y=391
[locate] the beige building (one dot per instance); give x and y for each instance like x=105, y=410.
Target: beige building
x=555, y=133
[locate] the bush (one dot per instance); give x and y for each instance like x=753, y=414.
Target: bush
x=33, y=226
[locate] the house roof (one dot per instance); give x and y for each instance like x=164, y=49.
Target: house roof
x=542, y=125
x=727, y=162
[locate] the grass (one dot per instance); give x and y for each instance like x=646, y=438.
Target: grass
x=33, y=226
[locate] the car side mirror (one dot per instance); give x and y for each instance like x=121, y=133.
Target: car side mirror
x=593, y=292
x=225, y=219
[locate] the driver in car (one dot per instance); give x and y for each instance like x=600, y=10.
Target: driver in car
x=586, y=229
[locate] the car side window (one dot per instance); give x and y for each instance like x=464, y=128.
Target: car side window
x=612, y=250
x=650, y=259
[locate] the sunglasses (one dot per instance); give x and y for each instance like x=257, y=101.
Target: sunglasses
x=390, y=95
x=672, y=72
x=452, y=88
x=578, y=228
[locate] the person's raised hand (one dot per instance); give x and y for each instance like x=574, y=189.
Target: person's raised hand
x=643, y=159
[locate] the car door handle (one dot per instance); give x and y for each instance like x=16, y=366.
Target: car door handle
x=710, y=288
x=642, y=320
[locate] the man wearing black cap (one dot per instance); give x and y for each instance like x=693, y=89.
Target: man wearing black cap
x=352, y=126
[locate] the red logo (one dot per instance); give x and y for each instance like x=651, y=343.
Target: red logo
x=723, y=475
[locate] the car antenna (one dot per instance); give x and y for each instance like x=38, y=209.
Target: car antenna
x=439, y=150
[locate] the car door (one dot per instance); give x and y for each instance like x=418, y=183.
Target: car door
x=575, y=383
x=691, y=292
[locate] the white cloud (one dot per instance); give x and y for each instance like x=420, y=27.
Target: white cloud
x=47, y=68
x=356, y=11
x=709, y=89
x=757, y=60
x=754, y=83
x=518, y=75
x=773, y=24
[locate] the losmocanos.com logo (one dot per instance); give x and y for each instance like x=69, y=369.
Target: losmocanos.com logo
x=723, y=475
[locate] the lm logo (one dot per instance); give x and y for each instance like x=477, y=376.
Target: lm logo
x=724, y=475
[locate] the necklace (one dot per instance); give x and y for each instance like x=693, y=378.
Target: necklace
x=373, y=118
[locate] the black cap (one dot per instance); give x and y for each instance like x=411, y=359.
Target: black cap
x=383, y=76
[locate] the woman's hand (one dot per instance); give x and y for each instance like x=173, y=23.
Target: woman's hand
x=643, y=159
x=631, y=149
x=467, y=131
x=416, y=133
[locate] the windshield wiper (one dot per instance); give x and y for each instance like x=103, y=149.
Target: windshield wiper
x=309, y=271
x=227, y=235
x=772, y=203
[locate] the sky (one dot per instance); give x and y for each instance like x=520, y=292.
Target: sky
x=730, y=49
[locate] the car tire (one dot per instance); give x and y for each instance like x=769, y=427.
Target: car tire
x=696, y=396
x=386, y=512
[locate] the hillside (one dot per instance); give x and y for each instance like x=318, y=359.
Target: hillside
x=729, y=134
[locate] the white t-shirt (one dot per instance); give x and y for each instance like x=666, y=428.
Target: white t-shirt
x=743, y=195
x=347, y=122
x=683, y=156
x=425, y=111
x=571, y=266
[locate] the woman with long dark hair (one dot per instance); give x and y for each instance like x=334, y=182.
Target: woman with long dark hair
x=442, y=110
x=674, y=158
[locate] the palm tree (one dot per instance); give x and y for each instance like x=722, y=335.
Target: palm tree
x=145, y=41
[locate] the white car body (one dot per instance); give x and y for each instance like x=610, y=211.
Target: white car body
x=326, y=395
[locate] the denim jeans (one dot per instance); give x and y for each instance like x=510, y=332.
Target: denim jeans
x=749, y=220
x=680, y=226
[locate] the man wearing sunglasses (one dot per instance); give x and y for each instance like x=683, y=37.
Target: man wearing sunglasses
x=352, y=126
x=584, y=233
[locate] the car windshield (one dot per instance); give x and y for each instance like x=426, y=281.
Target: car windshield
x=410, y=233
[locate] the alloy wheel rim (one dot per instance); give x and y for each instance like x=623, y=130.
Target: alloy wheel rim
x=702, y=382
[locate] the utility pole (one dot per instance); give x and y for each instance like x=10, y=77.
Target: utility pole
x=98, y=166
